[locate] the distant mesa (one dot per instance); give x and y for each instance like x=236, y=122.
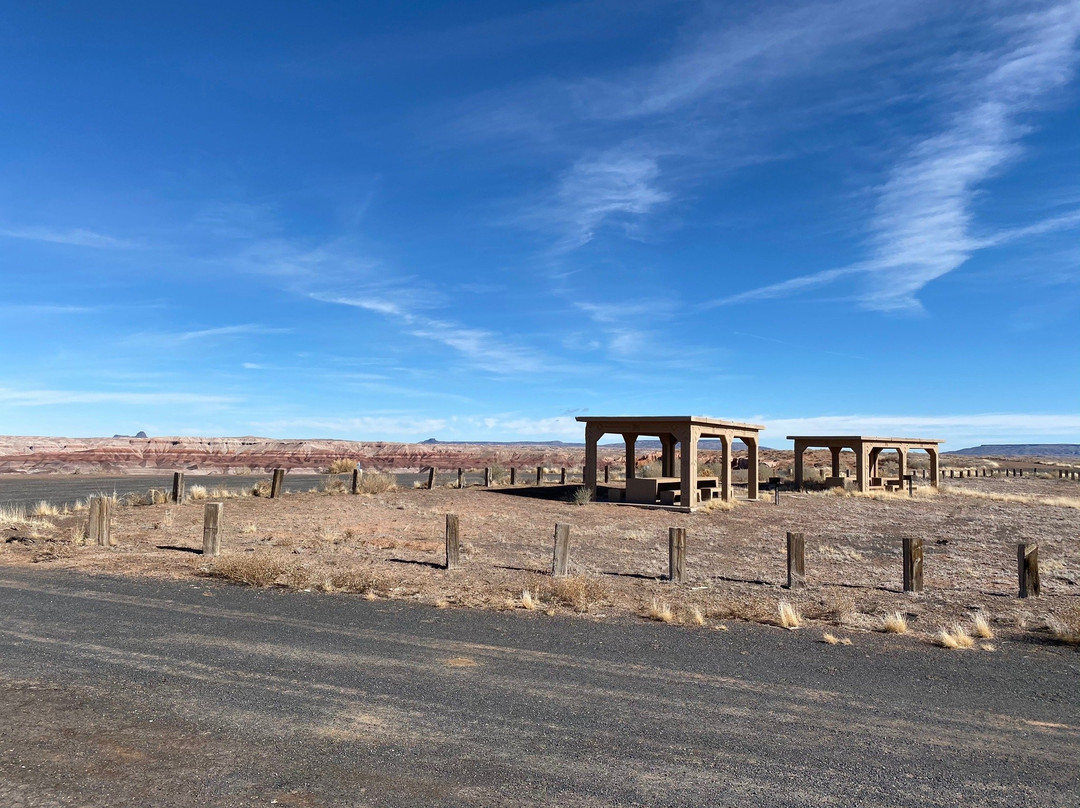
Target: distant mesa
x=139, y=434
x=1021, y=450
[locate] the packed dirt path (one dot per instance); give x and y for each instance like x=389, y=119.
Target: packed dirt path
x=121, y=691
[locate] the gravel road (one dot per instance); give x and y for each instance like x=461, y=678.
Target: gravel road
x=163, y=693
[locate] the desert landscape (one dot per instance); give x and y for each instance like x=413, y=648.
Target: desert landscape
x=388, y=542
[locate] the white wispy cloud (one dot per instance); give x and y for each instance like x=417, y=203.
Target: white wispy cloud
x=39, y=398
x=923, y=222
x=77, y=237
x=225, y=331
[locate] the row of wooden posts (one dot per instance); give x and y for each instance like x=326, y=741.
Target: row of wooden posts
x=1063, y=474
x=1027, y=555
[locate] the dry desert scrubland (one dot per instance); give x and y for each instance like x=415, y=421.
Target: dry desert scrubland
x=390, y=544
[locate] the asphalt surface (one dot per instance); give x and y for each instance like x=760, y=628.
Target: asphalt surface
x=131, y=692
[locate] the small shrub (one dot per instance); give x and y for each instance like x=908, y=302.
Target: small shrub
x=527, y=600
x=12, y=516
x=253, y=569
x=696, y=617
x=334, y=485
x=341, y=466
x=261, y=489
x=498, y=473
x=53, y=551
x=577, y=592
x=1065, y=628
x=582, y=496
x=196, y=492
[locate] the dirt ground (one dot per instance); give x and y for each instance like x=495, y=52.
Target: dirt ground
x=390, y=545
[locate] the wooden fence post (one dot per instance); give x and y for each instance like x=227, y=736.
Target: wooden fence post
x=560, y=559
x=513, y=476
x=276, y=483
x=796, y=561
x=676, y=554
x=356, y=481
x=431, y=478
x=211, y=535
x=487, y=476
x=452, y=538
x=913, y=565
x=1027, y=563
x=178, y=487
x=99, y=525
x=562, y=476
x=461, y=478
x=539, y=475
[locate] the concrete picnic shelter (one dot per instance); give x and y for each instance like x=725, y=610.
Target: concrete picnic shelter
x=867, y=451
x=684, y=431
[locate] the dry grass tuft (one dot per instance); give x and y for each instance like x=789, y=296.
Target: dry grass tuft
x=1022, y=499
x=789, y=615
x=527, y=601
x=830, y=639
x=955, y=638
x=12, y=516
x=721, y=505
x=696, y=617
x=341, y=466
x=1065, y=628
x=895, y=623
x=987, y=646
x=661, y=611
x=377, y=482
x=45, y=509
x=982, y=626
x=196, y=492
x=334, y=485
x=249, y=529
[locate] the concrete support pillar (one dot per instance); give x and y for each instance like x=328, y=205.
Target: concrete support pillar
x=934, y=475
x=800, y=447
x=862, y=468
x=725, y=471
x=751, y=467
x=901, y=462
x=592, y=437
x=835, y=460
x=875, y=453
x=631, y=455
x=688, y=476
x=667, y=456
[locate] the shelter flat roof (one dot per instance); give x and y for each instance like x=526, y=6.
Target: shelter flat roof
x=696, y=420
x=864, y=439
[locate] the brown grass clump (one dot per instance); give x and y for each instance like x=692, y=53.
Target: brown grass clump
x=252, y=569
x=955, y=638
x=527, y=600
x=582, y=496
x=721, y=505
x=196, y=492
x=342, y=465
x=53, y=551
x=377, y=482
x=830, y=639
x=788, y=615
x=45, y=509
x=661, y=612
x=334, y=485
x=577, y=592
x=696, y=617
x=895, y=623
x=1022, y=499
x=12, y=516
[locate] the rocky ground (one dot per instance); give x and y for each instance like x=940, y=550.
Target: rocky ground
x=390, y=545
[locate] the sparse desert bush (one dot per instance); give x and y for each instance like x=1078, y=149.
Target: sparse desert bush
x=334, y=485
x=196, y=492
x=835, y=607
x=248, y=529
x=954, y=638
x=788, y=615
x=582, y=496
x=696, y=617
x=253, y=569
x=1022, y=499
x=377, y=482
x=261, y=489
x=722, y=505
x=527, y=600
x=895, y=623
x=341, y=466
x=498, y=473
x=653, y=469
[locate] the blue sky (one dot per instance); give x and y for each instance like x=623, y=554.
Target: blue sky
x=477, y=220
